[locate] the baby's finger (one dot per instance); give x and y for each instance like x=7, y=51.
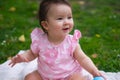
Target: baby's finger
x=13, y=64
x=10, y=63
x=103, y=76
x=13, y=61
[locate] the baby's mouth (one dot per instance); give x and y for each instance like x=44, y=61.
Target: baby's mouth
x=65, y=28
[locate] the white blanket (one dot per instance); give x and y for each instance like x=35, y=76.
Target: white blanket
x=19, y=71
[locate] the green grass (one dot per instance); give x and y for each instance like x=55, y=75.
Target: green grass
x=98, y=20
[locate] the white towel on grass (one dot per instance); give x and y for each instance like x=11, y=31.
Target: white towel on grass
x=19, y=71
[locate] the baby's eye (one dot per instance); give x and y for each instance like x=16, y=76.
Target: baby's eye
x=59, y=18
x=70, y=17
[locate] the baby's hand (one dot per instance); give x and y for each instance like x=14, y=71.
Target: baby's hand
x=17, y=59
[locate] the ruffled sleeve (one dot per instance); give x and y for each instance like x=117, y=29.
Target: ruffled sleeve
x=75, y=39
x=35, y=37
x=77, y=35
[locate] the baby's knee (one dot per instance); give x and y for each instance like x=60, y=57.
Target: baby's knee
x=33, y=76
x=27, y=77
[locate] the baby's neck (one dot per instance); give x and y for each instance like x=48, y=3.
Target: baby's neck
x=55, y=40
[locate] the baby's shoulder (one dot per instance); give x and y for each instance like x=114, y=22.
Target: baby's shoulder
x=37, y=34
x=37, y=31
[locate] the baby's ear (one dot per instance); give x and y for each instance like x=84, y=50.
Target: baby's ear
x=44, y=25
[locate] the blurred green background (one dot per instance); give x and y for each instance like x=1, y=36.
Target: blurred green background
x=98, y=20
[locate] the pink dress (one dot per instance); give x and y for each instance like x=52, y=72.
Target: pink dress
x=55, y=62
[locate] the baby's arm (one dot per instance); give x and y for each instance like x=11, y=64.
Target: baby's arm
x=86, y=62
x=25, y=57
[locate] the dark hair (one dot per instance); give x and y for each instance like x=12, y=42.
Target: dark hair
x=44, y=7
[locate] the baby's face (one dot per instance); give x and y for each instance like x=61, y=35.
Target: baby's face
x=59, y=20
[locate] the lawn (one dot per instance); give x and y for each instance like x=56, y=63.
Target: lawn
x=98, y=20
